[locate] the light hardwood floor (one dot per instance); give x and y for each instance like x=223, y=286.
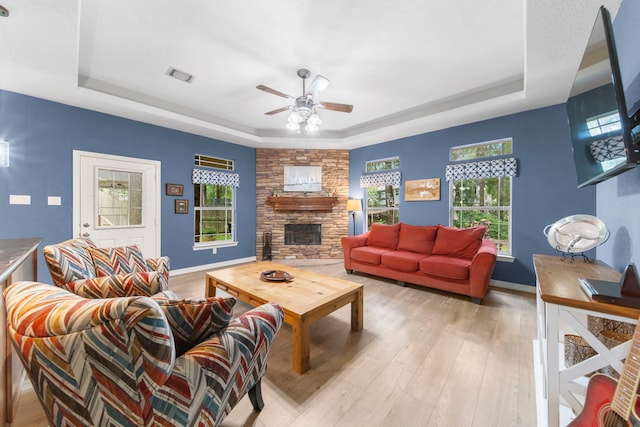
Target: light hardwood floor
x=424, y=358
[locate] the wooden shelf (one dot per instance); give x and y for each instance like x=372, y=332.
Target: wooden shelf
x=302, y=203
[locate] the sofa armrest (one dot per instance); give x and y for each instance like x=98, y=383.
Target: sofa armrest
x=482, y=266
x=350, y=242
x=133, y=331
x=122, y=285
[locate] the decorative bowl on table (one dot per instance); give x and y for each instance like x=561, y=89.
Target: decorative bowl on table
x=276, y=276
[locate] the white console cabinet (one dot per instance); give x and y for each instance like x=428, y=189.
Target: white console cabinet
x=563, y=308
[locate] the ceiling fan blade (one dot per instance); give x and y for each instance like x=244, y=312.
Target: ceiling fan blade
x=318, y=84
x=273, y=91
x=334, y=106
x=279, y=110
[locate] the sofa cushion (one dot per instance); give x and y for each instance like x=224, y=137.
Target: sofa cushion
x=402, y=260
x=458, y=242
x=192, y=321
x=118, y=260
x=384, y=236
x=446, y=267
x=417, y=238
x=368, y=254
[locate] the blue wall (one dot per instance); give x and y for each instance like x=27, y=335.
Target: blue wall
x=618, y=200
x=43, y=135
x=544, y=191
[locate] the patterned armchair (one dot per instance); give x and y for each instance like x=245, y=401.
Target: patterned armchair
x=79, y=266
x=138, y=361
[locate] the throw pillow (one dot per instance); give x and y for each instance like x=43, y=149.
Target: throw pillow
x=192, y=321
x=68, y=263
x=458, y=242
x=119, y=260
x=417, y=238
x=384, y=236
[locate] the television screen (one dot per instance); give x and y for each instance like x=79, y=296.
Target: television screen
x=597, y=112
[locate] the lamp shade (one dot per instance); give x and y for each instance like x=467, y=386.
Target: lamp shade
x=354, y=205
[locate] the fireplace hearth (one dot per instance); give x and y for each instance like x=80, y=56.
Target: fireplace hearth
x=302, y=234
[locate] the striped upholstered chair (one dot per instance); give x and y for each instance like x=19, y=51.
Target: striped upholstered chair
x=138, y=361
x=79, y=266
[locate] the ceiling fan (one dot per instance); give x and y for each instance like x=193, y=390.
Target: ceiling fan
x=304, y=107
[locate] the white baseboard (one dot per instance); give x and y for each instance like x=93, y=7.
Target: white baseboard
x=513, y=286
x=206, y=267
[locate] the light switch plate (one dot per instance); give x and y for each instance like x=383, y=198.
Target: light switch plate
x=54, y=200
x=19, y=199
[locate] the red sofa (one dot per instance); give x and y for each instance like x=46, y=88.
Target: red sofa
x=446, y=258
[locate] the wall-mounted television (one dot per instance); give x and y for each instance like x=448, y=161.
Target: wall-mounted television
x=604, y=135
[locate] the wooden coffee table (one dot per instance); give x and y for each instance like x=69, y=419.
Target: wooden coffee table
x=305, y=299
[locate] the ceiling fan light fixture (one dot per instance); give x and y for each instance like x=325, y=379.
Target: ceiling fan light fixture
x=310, y=127
x=294, y=117
x=303, y=110
x=314, y=119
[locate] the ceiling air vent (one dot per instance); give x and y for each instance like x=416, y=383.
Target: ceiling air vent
x=180, y=75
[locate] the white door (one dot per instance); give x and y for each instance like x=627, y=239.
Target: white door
x=116, y=201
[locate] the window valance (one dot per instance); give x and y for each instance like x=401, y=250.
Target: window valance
x=483, y=169
x=203, y=176
x=380, y=179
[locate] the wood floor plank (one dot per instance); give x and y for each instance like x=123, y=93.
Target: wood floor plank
x=424, y=358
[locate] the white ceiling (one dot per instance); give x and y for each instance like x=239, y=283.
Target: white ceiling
x=408, y=67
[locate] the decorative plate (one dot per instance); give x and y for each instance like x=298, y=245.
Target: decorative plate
x=276, y=276
x=576, y=233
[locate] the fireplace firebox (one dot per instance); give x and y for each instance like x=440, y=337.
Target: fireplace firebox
x=302, y=234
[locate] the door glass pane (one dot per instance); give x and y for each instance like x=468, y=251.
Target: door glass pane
x=119, y=198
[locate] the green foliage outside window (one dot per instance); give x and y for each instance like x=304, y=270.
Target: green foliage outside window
x=486, y=149
x=213, y=212
x=383, y=203
x=485, y=201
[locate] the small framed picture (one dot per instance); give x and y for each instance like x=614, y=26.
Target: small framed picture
x=174, y=189
x=182, y=206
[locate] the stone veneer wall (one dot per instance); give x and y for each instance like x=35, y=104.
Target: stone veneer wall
x=270, y=165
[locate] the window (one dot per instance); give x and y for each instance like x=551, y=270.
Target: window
x=383, y=191
x=119, y=198
x=214, y=202
x=483, y=149
x=480, y=192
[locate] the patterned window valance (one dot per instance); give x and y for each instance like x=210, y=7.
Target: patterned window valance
x=380, y=179
x=203, y=176
x=484, y=169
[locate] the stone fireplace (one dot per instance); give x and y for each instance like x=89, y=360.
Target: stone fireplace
x=332, y=218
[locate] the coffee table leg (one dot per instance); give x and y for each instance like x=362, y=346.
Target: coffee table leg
x=210, y=290
x=301, y=346
x=357, y=312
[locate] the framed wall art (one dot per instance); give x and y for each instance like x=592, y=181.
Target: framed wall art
x=419, y=190
x=174, y=189
x=182, y=206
